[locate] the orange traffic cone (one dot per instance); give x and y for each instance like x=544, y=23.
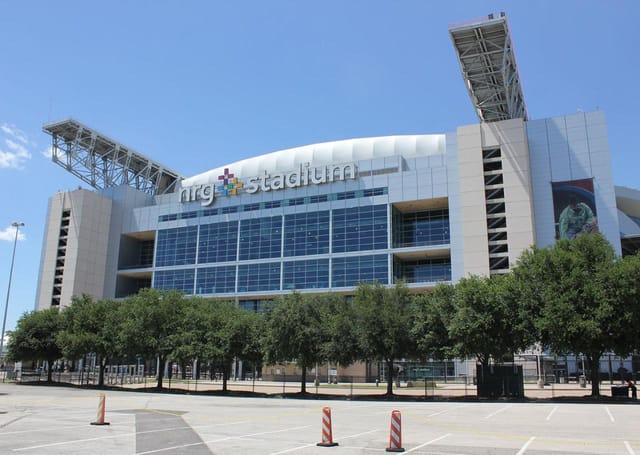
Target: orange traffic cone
x=327, y=436
x=101, y=410
x=395, y=437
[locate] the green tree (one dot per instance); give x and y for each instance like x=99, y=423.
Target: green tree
x=572, y=286
x=383, y=325
x=35, y=338
x=150, y=320
x=237, y=336
x=293, y=332
x=432, y=316
x=90, y=326
x=624, y=287
x=338, y=321
x=485, y=322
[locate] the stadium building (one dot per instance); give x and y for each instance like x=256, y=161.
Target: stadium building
x=422, y=209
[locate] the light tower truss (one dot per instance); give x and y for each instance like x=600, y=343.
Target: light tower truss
x=489, y=70
x=103, y=163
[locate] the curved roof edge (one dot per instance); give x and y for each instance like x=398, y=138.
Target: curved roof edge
x=335, y=152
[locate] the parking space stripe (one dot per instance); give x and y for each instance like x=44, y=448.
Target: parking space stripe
x=524, y=447
x=629, y=448
x=429, y=443
x=498, y=411
x=164, y=449
x=610, y=415
x=555, y=408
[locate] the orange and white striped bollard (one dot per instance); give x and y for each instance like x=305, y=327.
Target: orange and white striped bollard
x=327, y=436
x=101, y=411
x=395, y=436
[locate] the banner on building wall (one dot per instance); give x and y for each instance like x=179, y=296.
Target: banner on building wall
x=574, y=208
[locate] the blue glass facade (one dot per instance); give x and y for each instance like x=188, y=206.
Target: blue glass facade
x=350, y=271
x=306, y=234
x=259, y=277
x=181, y=279
x=176, y=246
x=306, y=250
x=311, y=274
x=216, y=280
x=218, y=242
x=260, y=238
x=360, y=228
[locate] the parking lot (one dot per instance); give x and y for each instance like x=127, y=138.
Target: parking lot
x=56, y=420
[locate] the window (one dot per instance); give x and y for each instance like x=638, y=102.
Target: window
x=260, y=238
x=306, y=233
x=360, y=228
x=350, y=271
x=181, y=280
x=420, y=228
x=218, y=242
x=259, y=277
x=216, y=280
x=310, y=274
x=423, y=270
x=176, y=246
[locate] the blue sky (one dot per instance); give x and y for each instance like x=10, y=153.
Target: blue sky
x=198, y=84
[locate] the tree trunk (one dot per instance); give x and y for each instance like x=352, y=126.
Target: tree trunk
x=390, y=374
x=225, y=375
x=594, y=363
x=161, y=364
x=49, y=371
x=102, y=364
x=303, y=388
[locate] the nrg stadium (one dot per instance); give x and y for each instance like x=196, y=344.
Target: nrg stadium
x=324, y=217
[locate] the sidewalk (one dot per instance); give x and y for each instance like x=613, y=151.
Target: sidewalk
x=362, y=390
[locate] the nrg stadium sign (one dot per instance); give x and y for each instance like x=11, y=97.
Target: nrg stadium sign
x=303, y=176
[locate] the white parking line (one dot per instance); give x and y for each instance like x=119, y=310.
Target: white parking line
x=447, y=410
x=428, y=443
x=498, y=411
x=610, y=415
x=629, y=448
x=524, y=447
x=164, y=449
x=555, y=408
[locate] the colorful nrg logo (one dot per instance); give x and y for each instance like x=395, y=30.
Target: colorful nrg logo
x=230, y=184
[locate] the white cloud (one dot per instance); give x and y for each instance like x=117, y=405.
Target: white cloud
x=11, y=130
x=13, y=147
x=9, y=234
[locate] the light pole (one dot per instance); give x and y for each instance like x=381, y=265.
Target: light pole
x=6, y=304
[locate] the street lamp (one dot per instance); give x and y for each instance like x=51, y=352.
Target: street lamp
x=6, y=304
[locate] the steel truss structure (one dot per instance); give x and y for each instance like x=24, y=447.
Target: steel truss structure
x=103, y=163
x=489, y=70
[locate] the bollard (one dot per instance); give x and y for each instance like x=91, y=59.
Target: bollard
x=101, y=411
x=395, y=435
x=327, y=436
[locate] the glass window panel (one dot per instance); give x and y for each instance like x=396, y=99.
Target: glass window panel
x=260, y=238
x=259, y=277
x=181, y=280
x=218, y=242
x=216, y=280
x=350, y=271
x=176, y=246
x=311, y=274
x=360, y=228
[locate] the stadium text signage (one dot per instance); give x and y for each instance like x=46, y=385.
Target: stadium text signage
x=303, y=176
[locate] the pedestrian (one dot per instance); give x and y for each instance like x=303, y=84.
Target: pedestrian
x=634, y=390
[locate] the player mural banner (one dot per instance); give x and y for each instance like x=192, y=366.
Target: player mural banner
x=574, y=208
